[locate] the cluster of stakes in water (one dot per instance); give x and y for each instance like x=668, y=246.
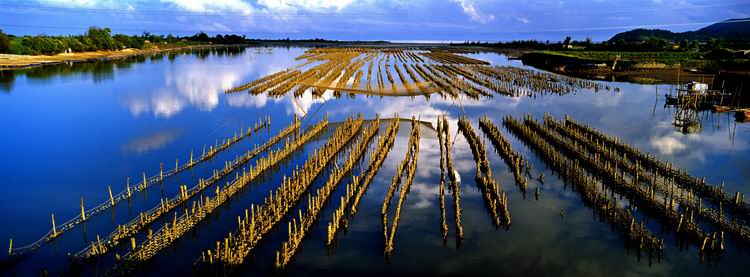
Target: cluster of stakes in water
x=599, y=167
x=495, y=200
x=128, y=192
x=446, y=164
x=407, y=166
x=585, y=158
x=409, y=72
x=237, y=245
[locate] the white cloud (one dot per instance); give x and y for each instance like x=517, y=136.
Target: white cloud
x=667, y=145
x=212, y=6
x=311, y=5
x=247, y=101
x=473, y=12
x=70, y=3
x=150, y=142
x=166, y=105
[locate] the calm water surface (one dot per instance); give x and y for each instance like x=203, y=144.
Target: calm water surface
x=70, y=131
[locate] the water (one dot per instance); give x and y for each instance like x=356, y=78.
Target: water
x=69, y=131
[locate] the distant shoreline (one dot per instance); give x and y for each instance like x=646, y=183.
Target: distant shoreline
x=10, y=62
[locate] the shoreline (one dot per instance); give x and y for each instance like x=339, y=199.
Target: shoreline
x=12, y=62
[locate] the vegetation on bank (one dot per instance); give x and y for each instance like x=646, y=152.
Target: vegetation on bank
x=715, y=59
x=723, y=45
x=102, y=39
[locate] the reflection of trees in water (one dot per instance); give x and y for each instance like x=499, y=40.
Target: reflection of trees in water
x=219, y=52
x=155, y=58
x=103, y=70
x=100, y=70
x=6, y=80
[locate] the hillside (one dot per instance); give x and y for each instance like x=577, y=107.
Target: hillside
x=730, y=30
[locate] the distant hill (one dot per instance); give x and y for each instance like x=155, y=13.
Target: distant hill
x=733, y=29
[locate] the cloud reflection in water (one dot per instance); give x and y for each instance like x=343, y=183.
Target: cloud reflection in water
x=150, y=142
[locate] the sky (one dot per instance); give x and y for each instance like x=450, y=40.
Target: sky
x=396, y=20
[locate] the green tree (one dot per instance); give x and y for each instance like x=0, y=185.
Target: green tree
x=88, y=44
x=4, y=43
x=74, y=44
x=17, y=47
x=101, y=38
x=684, y=44
x=42, y=44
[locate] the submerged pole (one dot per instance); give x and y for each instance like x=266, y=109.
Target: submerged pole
x=54, y=230
x=111, y=199
x=83, y=211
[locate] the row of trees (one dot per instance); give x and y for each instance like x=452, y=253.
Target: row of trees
x=96, y=39
x=649, y=45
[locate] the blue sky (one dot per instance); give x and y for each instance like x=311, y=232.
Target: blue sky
x=444, y=20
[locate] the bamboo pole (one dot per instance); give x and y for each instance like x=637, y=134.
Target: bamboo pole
x=54, y=228
x=111, y=199
x=83, y=211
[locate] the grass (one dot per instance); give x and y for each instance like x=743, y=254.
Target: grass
x=683, y=59
x=629, y=56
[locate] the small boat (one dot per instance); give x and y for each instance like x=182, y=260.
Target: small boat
x=742, y=115
x=721, y=109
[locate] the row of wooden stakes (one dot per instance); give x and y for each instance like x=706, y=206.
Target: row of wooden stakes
x=234, y=248
x=127, y=193
x=575, y=175
x=684, y=196
x=354, y=195
x=407, y=166
x=166, y=204
x=713, y=193
x=644, y=197
x=495, y=199
x=451, y=58
x=443, y=130
x=503, y=147
x=299, y=229
x=201, y=208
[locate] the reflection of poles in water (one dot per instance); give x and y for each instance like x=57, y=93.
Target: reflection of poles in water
x=734, y=133
x=127, y=193
x=656, y=101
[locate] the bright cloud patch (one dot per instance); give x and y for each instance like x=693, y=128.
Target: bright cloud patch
x=209, y=6
x=667, y=145
x=70, y=3
x=474, y=13
x=311, y=5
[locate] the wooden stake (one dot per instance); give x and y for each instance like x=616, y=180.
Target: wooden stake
x=127, y=186
x=111, y=199
x=83, y=211
x=54, y=229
